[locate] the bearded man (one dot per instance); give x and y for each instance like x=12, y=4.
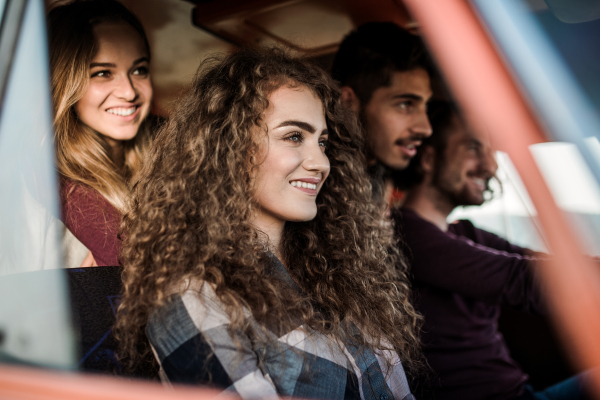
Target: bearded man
x=462, y=274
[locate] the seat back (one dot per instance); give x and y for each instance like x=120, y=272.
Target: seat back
x=95, y=295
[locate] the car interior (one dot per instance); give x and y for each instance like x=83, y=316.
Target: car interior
x=182, y=34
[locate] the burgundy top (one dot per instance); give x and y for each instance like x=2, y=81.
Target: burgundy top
x=93, y=220
x=461, y=277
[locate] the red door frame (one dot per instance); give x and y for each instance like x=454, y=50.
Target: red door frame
x=492, y=101
x=490, y=97
x=20, y=383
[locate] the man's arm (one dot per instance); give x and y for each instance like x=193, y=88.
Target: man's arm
x=457, y=264
x=467, y=229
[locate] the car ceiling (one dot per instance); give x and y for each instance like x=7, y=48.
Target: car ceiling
x=310, y=28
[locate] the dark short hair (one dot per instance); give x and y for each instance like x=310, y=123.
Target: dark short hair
x=370, y=54
x=440, y=117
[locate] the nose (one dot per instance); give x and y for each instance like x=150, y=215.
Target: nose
x=488, y=161
x=315, y=160
x=125, y=89
x=421, y=125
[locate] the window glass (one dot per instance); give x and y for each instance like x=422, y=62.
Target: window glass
x=2, y=5
x=573, y=187
x=577, y=44
x=550, y=47
x=509, y=212
x=34, y=319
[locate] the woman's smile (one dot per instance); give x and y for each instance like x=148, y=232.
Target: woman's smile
x=119, y=93
x=307, y=185
x=294, y=164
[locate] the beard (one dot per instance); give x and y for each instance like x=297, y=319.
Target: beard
x=459, y=197
x=453, y=190
x=377, y=171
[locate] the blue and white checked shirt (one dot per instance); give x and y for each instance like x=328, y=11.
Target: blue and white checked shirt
x=191, y=340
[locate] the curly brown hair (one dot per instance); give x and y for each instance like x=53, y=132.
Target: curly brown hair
x=191, y=211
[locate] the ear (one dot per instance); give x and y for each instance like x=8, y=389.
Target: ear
x=349, y=99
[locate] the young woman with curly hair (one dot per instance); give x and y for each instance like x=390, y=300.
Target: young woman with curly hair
x=101, y=90
x=256, y=258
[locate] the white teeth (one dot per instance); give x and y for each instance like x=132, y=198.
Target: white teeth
x=304, y=185
x=479, y=182
x=123, y=112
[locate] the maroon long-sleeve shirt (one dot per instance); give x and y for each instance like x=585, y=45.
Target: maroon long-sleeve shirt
x=461, y=277
x=93, y=220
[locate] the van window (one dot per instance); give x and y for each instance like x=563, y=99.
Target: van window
x=550, y=48
x=35, y=327
x=2, y=6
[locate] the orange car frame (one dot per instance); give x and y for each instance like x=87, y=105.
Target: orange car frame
x=474, y=70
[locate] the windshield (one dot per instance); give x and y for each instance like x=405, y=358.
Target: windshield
x=550, y=47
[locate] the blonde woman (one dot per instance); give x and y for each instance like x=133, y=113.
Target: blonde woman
x=256, y=259
x=102, y=92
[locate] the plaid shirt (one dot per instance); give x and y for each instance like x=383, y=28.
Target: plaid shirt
x=191, y=340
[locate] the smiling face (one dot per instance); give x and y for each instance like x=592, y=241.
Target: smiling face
x=294, y=165
x=120, y=91
x=467, y=166
x=396, y=120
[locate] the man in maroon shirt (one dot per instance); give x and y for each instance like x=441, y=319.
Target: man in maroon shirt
x=463, y=274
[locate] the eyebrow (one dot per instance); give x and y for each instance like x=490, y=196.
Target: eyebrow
x=473, y=141
x=141, y=59
x=411, y=96
x=305, y=126
x=103, y=65
x=111, y=65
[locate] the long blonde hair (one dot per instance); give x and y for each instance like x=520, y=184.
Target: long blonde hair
x=82, y=154
x=190, y=217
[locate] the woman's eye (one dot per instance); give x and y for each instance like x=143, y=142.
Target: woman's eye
x=324, y=143
x=142, y=71
x=296, y=137
x=101, y=74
